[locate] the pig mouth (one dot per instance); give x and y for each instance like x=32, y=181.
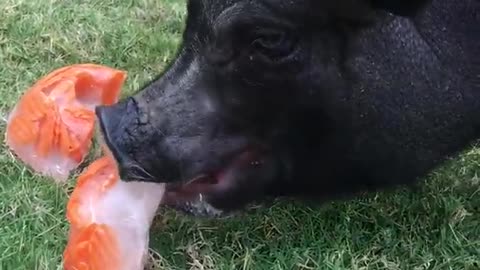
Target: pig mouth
x=236, y=175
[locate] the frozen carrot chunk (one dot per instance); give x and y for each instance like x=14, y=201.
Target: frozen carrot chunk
x=109, y=219
x=51, y=127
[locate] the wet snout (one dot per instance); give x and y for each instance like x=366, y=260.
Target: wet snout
x=131, y=143
x=113, y=124
x=151, y=150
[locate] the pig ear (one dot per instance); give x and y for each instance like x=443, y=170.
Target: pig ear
x=400, y=7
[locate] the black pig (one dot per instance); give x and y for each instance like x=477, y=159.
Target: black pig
x=315, y=99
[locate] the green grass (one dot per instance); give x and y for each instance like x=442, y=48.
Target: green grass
x=435, y=228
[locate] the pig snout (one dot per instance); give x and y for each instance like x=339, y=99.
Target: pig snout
x=133, y=142
x=168, y=132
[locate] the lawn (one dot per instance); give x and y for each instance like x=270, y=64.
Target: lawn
x=437, y=227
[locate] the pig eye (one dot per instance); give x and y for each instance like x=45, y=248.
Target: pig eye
x=274, y=44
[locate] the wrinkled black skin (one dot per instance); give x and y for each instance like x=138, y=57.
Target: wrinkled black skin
x=375, y=95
